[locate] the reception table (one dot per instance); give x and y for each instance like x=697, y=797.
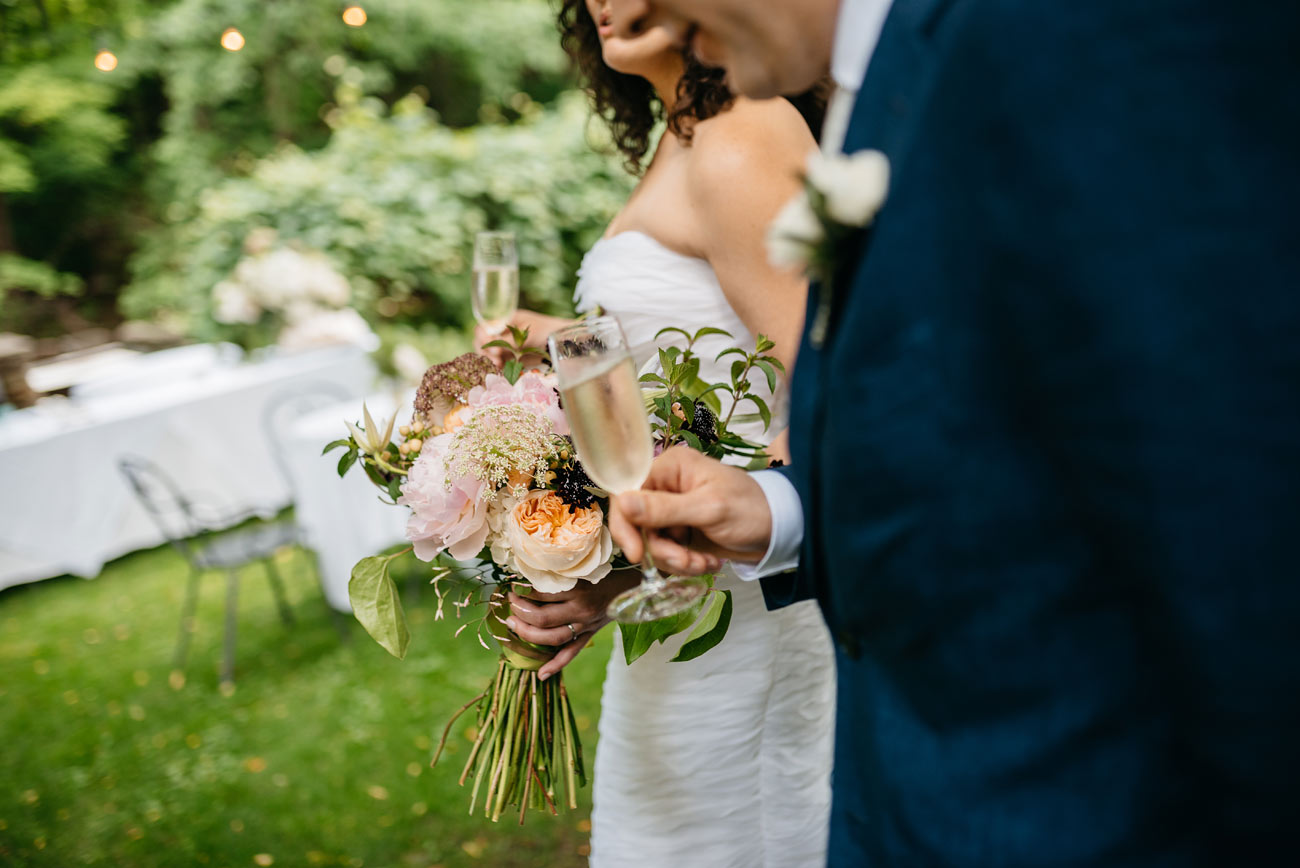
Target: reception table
x=65, y=507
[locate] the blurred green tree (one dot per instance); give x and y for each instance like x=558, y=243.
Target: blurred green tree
x=177, y=113
x=394, y=200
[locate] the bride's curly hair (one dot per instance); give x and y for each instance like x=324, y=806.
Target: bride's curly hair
x=628, y=103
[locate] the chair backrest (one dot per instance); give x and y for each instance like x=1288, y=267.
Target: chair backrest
x=163, y=499
x=287, y=405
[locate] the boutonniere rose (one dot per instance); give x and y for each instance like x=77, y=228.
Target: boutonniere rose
x=842, y=194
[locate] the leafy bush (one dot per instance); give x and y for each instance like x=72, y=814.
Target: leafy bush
x=394, y=200
x=128, y=150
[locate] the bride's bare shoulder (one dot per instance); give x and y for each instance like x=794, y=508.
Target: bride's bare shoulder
x=771, y=130
x=753, y=146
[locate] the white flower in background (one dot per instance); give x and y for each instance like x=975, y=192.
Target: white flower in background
x=285, y=276
x=794, y=233
x=409, y=363
x=855, y=186
x=329, y=328
x=231, y=303
x=260, y=240
x=324, y=283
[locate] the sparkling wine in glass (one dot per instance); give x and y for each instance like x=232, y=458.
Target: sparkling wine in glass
x=496, y=280
x=607, y=415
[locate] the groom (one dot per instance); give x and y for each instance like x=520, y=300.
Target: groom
x=1046, y=462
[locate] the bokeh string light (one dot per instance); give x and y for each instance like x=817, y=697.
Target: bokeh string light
x=232, y=39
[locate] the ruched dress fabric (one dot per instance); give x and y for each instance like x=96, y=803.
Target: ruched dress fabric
x=723, y=761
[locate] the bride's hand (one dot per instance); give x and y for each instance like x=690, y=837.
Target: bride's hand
x=539, y=326
x=545, y=618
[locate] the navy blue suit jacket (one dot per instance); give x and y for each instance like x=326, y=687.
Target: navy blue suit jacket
x=1049, y=454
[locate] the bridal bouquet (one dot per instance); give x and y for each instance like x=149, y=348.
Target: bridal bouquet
x=498, y=499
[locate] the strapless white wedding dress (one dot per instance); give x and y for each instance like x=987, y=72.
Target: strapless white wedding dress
x=723, y=761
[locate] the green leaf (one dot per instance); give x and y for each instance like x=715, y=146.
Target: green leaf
x=688, y=410
x=692, y=440
x=520, y=335
x=667, y=329
x=769, y=371
x=346, y=461
x=711, y=628
x=730, y=352
x=763, y=411
x=686, y=372
x=710, y=330
x=775, y=362
x=764, y=344
x=373, y=596
x=512, y=370
x=637, y=639
x=653, y=378
x=335, y=444
x=737, y=371
x=505, y=345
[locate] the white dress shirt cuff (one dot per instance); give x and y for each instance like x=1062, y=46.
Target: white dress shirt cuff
x=787, y=528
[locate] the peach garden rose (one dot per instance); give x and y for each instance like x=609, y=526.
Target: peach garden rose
x=551, y=543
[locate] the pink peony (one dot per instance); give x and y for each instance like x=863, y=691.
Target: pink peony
x=451, y=518
x=534, y=390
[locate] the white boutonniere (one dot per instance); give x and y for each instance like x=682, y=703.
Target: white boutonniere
x=842, y=195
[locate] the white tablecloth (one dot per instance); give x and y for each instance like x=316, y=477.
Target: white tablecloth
x=64, y=505
x=343, y=519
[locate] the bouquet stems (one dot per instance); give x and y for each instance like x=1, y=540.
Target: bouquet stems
x=527, y=749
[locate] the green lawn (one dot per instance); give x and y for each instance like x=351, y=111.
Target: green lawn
x=319, y=757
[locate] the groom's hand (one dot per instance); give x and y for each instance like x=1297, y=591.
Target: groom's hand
x=699, y=512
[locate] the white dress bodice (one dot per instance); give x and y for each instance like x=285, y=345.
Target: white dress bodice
x=649, y=286
x=723, y=761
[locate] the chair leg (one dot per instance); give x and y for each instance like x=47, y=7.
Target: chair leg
x=187, y=619
x=232, y=606
x=277, y=590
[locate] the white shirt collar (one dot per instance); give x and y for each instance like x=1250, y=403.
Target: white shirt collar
x=857, y=30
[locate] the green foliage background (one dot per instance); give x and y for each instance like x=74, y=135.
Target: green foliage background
x=129, y=194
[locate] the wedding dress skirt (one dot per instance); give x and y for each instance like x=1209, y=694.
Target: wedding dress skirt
x=724, y=760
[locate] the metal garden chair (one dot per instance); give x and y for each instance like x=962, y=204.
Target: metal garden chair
x=207, y=542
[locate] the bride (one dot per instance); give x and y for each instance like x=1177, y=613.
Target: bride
x=723, y=760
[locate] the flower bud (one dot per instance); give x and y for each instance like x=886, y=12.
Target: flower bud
x=413, y=446
x=405, y=430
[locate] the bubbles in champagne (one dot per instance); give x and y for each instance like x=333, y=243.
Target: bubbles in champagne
x=608, y=419
x=496, y=295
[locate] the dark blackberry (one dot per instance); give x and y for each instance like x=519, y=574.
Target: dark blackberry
x=704, y=425
x=571, y=484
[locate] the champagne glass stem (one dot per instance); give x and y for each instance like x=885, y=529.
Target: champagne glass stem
x=648, y=568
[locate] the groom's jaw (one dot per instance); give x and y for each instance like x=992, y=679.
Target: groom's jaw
x=768, y=49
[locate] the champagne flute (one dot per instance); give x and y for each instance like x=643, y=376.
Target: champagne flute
x=496, y=280
x=607, y=415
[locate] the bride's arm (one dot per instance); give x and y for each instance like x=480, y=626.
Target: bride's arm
x=745, y=164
